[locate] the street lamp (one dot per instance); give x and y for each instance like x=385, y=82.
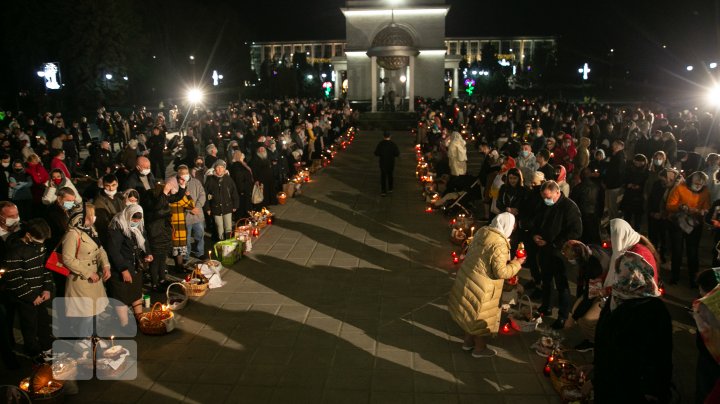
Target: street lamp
x=713, y=96
x=689, y=68
x=713, y=65
x=195, y=95
x=108, y=76
x=192, y=57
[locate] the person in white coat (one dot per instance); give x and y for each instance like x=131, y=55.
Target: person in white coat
x=457, y=155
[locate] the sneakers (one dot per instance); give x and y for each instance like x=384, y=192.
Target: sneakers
x=585, y=346
x=468, y=347
x=485, y=353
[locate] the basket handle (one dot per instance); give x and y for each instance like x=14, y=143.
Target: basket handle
x=156, y=310
x=522, y=300
x=245, y=220
x=167, y=292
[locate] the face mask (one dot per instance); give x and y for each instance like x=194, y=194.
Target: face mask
x=19, y=170
x=68, y=205
x=130, y=203
x=32, y=240
x=61, y=157
x=9, y=222
x=134, y=225
x=6, y=165
x=111, y=193
x=696, y=188
x=186, y=177
x=549, y=201
x=525, y=153
x=94, y=219
x=57, y=181
x=572, y=262
x=145, y=171
x=658, y=162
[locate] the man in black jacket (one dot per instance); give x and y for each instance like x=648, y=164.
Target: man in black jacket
x=614, y=178
x=557, y=221
x=387, y=151
x=587, y=197
x=156, y=145
x=141, y=178
x=29, y=286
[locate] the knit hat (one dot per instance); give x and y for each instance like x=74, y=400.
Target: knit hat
x=220, y=163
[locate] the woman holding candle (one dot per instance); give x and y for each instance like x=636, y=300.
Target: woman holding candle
x=475, y=297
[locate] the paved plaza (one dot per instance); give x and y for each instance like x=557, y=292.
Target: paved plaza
x=342, y=300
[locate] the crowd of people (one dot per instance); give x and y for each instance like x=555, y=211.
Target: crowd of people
x=115, y=217
x=609, y=192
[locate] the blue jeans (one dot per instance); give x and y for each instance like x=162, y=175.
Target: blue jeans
x=196, y=232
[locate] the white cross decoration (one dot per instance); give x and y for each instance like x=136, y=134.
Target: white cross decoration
x=584, y=71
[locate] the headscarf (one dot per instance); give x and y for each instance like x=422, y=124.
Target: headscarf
x=504, y=222
x=601, y=152
x=121, y=221
x=634, y=279
x=63, y=183
x=622, y=238
x=563, y=173
x=77, y=220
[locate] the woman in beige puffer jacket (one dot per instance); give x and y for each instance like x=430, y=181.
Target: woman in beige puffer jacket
x=475, y=297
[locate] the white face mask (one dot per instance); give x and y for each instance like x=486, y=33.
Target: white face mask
x=111, y=193
x=94, y=219
x=6, y=165
x=185, y=177
x=10, y=222
x=128, y=203
x=145, y=171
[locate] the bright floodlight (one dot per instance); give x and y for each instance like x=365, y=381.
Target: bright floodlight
x=689, y=68
x=192, y=57
x=403, y=79
x=40, y=73
x=713, y=96
x=713, y=65
x=394, y=2
x=125, y=78
x=309, y=76
x=195, y=95
x=108, y=76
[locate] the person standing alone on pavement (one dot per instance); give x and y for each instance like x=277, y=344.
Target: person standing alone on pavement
x=387, y=151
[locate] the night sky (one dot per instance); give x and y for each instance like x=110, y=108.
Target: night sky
x=636, y=30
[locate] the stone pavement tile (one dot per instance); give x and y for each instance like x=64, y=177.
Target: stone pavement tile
x=178, y=373
x=392, y=380
x=296, y=395
x=350, y=379
x=434, y=382
x=284, y=324
x=429, y=343
x=333, y=396
x=481, y=398
x=238, y=357
x=122, y=392
x=522, y=383
x=218, y=336
x=199, y=351
x=151, y=370
x=219, y=373
x=166, y=392
x=353, y=358
x=309, y=338
x=242, y=394
x=391, y=358
x=305, y=377
x=351, y=262
x=278, y=339
x=207, y=393
x=272, y=356
x=315, y=358
x=390, y=397
x=434, y=398
x=257, y=374
x=433, y=361
x=329, y=325
x=476, y=382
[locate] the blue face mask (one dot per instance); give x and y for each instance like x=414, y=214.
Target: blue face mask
x=134, y=224
x=525, y=153
x=549, y=201
x=68, y=205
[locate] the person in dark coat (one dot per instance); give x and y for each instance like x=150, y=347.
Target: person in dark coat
x=222, y=199
x=633, y=202
x=108, y=203
x=558, y=221
x=531, y=204
x=658, y=223
x=588, y=198
x=242, y=175
x=614, y=178
x=263, y=173
x=387, y=151
x=155, y=204
x=29, y=286
x=141, y=178
x=191, y=152
x=156, y=145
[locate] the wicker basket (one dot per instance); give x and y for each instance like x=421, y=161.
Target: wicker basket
x=155, y=322
x=562, y=384
x=518, y=320
x=195, y=288
x=243, y=227
x=175, y=300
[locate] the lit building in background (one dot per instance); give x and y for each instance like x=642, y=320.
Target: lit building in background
x=386, y=41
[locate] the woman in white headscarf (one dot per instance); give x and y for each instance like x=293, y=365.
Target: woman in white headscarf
x=457, y=155
x=128, y=251
x=635, y=324
x=475, y=297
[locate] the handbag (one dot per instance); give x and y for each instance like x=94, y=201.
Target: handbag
x=257, y=193
x=55, y=262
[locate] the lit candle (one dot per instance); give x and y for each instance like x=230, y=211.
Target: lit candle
x=112, y=340
x=210, y=254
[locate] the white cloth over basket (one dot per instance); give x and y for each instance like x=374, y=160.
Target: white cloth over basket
x=213, y=275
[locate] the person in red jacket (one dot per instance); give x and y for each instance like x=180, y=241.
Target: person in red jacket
x=565, y=153
x=58, y=162
x=39, y=176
